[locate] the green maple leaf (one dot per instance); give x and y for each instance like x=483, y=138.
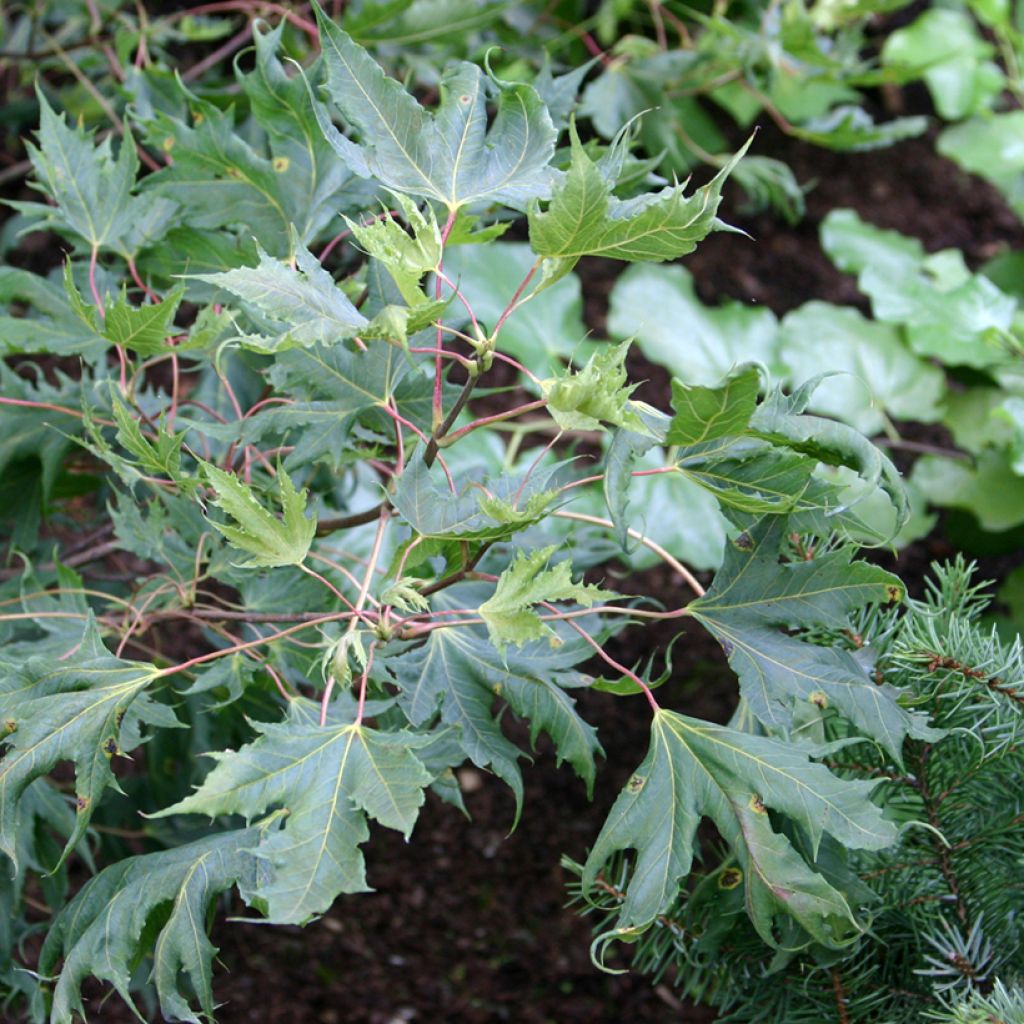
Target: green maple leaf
x=754, y=598
x=270, y=542
x=54, y=325
x=584, y=218
x=704, y=414
x=115, y=918
x=330, y=779
x=92, y=192
x=483, y=509
x=292, y=182
x=451, y=156
x=407, y=257
x=459, y=673
x=331, y=386
x=86, y=709
x=595, y=395
x=508, y=612
x=303, y=304
x=142, y=329
x=694, y=769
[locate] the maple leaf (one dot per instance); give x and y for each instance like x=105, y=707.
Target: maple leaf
x=270, y=541
x=584, y=218
x=508, y=612
x=695, y=769
x=450, y=156
x=330, y=779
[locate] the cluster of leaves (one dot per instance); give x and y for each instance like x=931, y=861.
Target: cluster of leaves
x=294, y=462
x=814, y=68
x=946, y=941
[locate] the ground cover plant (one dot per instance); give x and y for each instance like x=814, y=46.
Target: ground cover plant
x=372, y=495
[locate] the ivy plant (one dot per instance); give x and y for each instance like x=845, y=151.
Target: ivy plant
x=294, y=534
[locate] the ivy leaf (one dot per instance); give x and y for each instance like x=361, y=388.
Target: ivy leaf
x=407, y=257
x=330, y=779
x=585, y=219
x=86, y=709
x=508, y=613
x=116, y=917
x=460, y=673
x=304, y=304
x=270, y=542
x=90, y=189
x=450, y=156
x=754, y=598
x=703, y=414
x=694, y=769
x=595, y=395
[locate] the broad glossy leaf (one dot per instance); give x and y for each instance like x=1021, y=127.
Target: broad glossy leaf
x=269, y=542
x=693, y=770
x=698, y=344
x=116, y=916
x=585, y=219
x=875, y=373
x=988, y=488
x=330, y=779
x=754, y=598
x=944, y=48
x=853, y=244
x=993, y=148
x=781, y=419
x=86, y=709
x=509, y=612
x=459, y=674
x=92, y=191
x=451, y=156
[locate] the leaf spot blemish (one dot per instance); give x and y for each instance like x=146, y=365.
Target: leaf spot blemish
x=818, y=698
x=728, y=648
x=757, y=805
x=636, y=783
x=281, y=164
x=110, y=747
x=81, y=803
x=10, y=725
x=465, y=99
x=730, y=878
x=233, y=172
x=168, y=144
x=744, y=541
x=893, y=592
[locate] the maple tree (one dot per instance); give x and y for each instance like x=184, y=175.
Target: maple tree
x=293, y=453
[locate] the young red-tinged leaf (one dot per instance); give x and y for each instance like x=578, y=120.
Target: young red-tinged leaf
x=269, y=541
x=693, y=770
